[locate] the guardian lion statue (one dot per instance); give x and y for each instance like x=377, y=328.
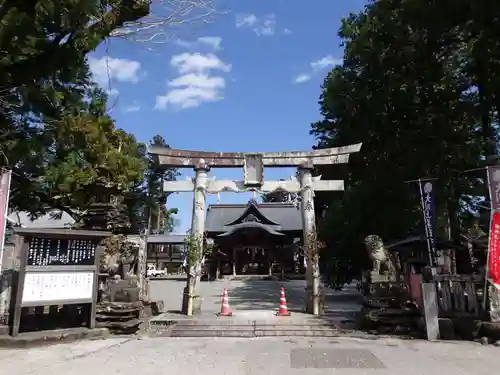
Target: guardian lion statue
x=379, y=255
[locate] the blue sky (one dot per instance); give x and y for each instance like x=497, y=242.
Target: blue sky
x=248, y=81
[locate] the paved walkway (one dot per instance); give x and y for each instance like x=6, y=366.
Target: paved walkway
x=260, y=356
x=254, y=294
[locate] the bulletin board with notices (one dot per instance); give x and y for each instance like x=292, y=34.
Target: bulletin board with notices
x=58, y=286
x=58, y=267
x=57, y=252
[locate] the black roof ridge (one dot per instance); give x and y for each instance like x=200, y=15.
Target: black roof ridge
x=242, y=205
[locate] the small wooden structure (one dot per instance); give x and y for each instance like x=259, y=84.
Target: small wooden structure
x=447, y=297
x=58, y=267
x=166, y=251
x=457, y=295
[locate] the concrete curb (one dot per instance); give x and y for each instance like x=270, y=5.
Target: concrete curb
x=44, y=338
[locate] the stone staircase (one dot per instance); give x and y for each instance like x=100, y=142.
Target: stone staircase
x=248, y=324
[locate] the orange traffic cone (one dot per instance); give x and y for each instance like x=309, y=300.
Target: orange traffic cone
x=224, y=305
x=283, y=308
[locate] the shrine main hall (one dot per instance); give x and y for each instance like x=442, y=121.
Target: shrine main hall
x=254, y=238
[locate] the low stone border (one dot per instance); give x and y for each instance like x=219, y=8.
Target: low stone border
x=43, y=338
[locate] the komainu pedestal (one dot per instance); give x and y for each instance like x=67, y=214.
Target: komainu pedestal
x=387, y=300
x=381, y=259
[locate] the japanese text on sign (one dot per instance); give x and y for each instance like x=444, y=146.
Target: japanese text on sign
x=427, y=197
x=494, y=250
x=494, y=186
x=57, y=286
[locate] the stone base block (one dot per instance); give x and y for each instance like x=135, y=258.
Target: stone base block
x=196, y=303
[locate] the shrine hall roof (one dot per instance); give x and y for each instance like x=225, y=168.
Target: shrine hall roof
x=286, y=215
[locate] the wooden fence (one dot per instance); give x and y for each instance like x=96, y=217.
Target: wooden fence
x=450, y=296
x=457, y=295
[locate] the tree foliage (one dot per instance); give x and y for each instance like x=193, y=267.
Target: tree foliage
x=55, y=133
x=162, y=218
x=279, y=196
x=419, y=87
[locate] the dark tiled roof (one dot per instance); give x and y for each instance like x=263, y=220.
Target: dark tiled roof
x=286, y=214
x=268, y=228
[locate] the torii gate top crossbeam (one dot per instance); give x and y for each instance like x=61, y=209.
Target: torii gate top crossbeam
x=189, y=159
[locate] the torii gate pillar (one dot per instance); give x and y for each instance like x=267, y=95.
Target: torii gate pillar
x=308, y=235
x=191, y=301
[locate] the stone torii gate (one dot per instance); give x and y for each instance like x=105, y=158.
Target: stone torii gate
x=253, y=165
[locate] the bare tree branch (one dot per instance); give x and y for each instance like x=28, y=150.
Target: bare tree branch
x=165, y=16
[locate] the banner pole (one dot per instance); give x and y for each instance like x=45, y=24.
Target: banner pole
x=487, y=266
x=427, y=234
x=488, y=251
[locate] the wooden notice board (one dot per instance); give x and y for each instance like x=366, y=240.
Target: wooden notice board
x=57, y=267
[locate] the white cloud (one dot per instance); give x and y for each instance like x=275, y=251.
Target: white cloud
x=200, y=80
x=301, y=78
x=106, y=69
x=197, y=62
x=213, y=42
x=325, y=62
x=133, y=108
x=246, y=20
x=195, y=84
x=316, y=66
x=112, y=92
x=184, y=43
x=267, y=26
x=287, y=31
x=262, y=26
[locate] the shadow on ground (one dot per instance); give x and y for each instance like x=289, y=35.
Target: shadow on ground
x=265, y=295
x=256, y=294
x=262, y=295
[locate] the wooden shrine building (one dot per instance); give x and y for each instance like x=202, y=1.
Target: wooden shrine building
x=254, y=238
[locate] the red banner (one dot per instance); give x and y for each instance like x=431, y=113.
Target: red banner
x=494, y=250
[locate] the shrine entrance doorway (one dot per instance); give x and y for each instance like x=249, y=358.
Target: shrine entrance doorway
x=257, y=255
x=252, y=260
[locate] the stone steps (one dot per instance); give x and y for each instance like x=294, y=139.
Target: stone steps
x=252, y=333
x=230, y=327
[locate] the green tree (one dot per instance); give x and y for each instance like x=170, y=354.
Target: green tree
x=405, y=90
x=162, y=219
x=89, y=161
x=279, y=196
x=44, y=82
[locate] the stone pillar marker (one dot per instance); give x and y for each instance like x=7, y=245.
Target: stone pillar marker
x=142, y=266
x=233, y=265
x=309, y=235
x=192, y=303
